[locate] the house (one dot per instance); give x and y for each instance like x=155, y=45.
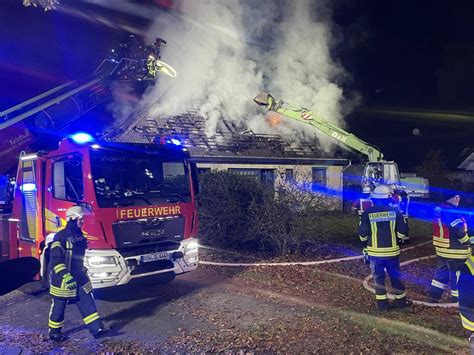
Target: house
x=465, y=167
x=267, y=158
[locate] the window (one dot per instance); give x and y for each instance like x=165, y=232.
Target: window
x=250, y=173
x=268, y=177
x=289, y=175
x=319, y=179
x=124, y=178
x=175, y=176
x=264, y=176
x=67, y=179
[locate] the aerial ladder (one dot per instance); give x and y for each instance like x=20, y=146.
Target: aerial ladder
x=377, y=170
x=54, y=110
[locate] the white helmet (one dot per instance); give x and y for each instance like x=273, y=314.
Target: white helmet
x=380, y=192
x=75, y=212
x=366, y=190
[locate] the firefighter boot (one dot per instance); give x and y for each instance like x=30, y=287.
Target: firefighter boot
x=56, y=335
x=383, y=305
x=103, y=331
x=402, y=303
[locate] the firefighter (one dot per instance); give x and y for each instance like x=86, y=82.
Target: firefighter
x=362, y=203
x=69, y=280
x=452, y=247
x=466, y=293
x=381, y=229
x=400, y=199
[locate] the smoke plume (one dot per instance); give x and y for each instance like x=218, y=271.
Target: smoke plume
x=227, y=51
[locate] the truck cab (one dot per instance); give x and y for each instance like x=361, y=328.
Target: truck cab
x=142, y=217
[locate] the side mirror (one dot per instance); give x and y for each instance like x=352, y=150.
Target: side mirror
x=7, y=185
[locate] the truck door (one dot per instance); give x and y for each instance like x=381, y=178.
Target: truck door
x=65, y=188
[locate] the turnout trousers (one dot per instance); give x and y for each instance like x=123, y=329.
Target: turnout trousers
x=392, y=265
x=86, y=305
x=444, y=277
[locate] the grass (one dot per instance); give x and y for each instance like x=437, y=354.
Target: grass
x=341, y=228
x=420, y=229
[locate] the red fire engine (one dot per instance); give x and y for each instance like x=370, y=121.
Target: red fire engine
x=141, y=199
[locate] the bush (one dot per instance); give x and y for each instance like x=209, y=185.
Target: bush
x=240, y=213
x=223, y=206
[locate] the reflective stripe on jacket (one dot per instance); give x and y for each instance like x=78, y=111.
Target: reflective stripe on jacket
x=382, y=227
x=67, y=257
x=450, y=237
x=466, y=294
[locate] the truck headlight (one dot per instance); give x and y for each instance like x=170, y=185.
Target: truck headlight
x=191, y=251
x=100, y=261
x=191, y=246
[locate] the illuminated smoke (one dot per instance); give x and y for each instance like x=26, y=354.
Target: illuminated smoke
x=216, y=78
x=228, y=51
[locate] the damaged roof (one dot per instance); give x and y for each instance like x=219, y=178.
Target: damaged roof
x=228, y=141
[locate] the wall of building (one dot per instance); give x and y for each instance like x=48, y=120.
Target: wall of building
x=302, y=174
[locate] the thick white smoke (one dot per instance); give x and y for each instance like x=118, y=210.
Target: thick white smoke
x=227, y=51
x=207, y=47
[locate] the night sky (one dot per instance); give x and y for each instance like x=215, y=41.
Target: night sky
x=410, y=56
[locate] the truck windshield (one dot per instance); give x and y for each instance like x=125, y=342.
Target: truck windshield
x=132, y=179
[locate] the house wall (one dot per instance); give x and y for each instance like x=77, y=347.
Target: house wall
x=466, y=176
x=301, y=174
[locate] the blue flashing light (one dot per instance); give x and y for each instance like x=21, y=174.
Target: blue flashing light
x=28, y=187
x=82, y=138
x=175, y=141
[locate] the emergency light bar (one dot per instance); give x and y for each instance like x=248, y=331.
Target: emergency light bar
x=82, y=138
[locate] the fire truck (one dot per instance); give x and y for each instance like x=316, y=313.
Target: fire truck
x=141, y=198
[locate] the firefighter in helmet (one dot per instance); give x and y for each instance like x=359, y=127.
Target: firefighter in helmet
x=452, y=247
x=381, y=229
x=68, y=277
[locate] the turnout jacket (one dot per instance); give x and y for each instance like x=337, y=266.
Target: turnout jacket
x=450, y=237
x=466, y=294
x=67, y=256
x=382, y=227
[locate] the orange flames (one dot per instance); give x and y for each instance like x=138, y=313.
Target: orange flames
x=273, y=119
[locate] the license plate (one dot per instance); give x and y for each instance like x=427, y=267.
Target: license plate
x=153, y=257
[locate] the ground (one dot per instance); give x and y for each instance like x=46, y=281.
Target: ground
x=283, y=309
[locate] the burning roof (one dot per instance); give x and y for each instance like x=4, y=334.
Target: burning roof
x=229, y=140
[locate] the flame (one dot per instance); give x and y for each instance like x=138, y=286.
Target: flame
x=273, y=119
